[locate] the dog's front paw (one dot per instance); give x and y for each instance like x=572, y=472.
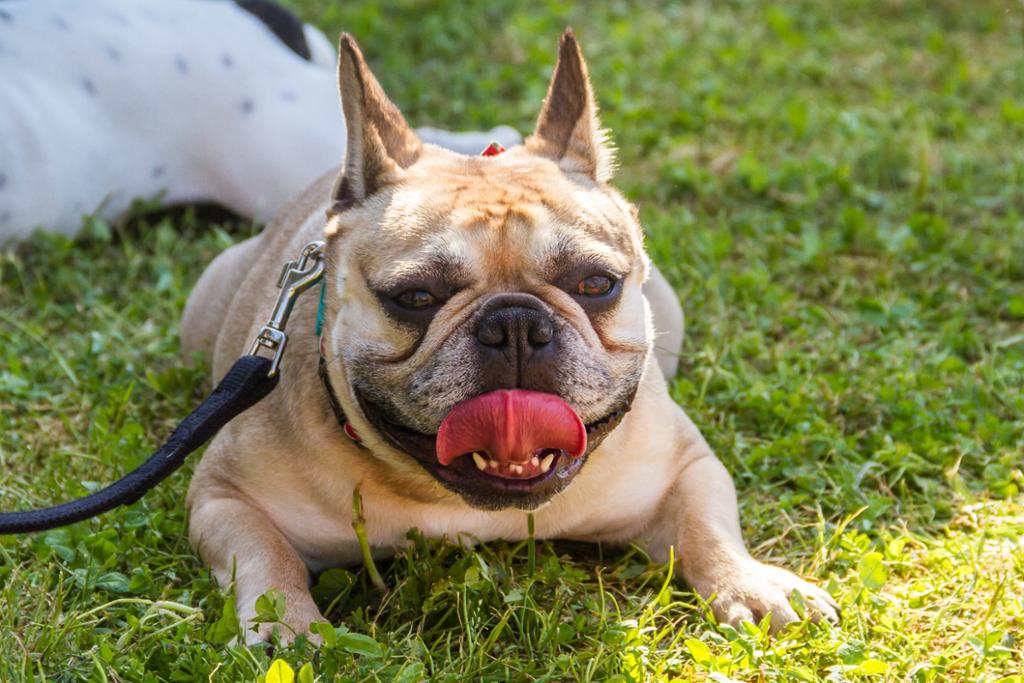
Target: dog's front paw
x=300, y=612
x=753, y=590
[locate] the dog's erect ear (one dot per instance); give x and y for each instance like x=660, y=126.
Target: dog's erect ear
x=567, y=129
x=380, y=142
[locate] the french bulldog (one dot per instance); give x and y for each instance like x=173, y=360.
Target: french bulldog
x=487, y=349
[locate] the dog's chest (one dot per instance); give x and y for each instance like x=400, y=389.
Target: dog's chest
x=609, y=501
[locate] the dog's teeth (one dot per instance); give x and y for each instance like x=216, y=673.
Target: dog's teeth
x=535, y=461
x=516, y=469
x=481, y=463
x=493, y=464
x=545, y=464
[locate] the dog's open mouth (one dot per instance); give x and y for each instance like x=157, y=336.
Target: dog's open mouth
x=508, y=448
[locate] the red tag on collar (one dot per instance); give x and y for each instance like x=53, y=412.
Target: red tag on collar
x=351, y=432
x=347, y=427
x=493, y=150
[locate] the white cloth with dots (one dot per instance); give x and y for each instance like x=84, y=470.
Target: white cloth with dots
x=106, y=101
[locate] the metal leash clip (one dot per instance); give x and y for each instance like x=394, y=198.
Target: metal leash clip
x=296, y=277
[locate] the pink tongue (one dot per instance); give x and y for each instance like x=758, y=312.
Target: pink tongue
x=510, y=425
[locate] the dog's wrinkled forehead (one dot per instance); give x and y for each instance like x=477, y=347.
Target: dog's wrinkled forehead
x=502, y=219
x=538, y=207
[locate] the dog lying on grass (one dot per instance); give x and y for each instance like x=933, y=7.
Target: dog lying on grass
x=486, y=349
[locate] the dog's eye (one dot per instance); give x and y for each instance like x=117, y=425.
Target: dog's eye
x=595, y=285
x=416, y=299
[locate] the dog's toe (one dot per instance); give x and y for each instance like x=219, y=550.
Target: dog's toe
x=821, y=605
x=736, y=613
x=280, y=634
x=300, y=614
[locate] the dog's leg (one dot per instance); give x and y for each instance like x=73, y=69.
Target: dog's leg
x=211, y=298
x=699, y=517
x=238, y=540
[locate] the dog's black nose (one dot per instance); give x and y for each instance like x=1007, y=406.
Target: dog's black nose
x=515, y=327
x=515, y=334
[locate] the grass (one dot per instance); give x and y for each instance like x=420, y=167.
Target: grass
x=835, y=190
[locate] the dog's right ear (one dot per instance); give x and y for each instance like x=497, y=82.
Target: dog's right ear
x=380, y=142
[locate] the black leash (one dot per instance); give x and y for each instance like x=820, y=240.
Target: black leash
x=248, y=381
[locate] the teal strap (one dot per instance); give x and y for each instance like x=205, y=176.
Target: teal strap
x=320, y=308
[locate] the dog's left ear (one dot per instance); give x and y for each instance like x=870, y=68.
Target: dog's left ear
x=380, y=142
x=567, y=129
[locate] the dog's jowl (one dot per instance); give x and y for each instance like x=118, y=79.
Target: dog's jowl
x=488, y=333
